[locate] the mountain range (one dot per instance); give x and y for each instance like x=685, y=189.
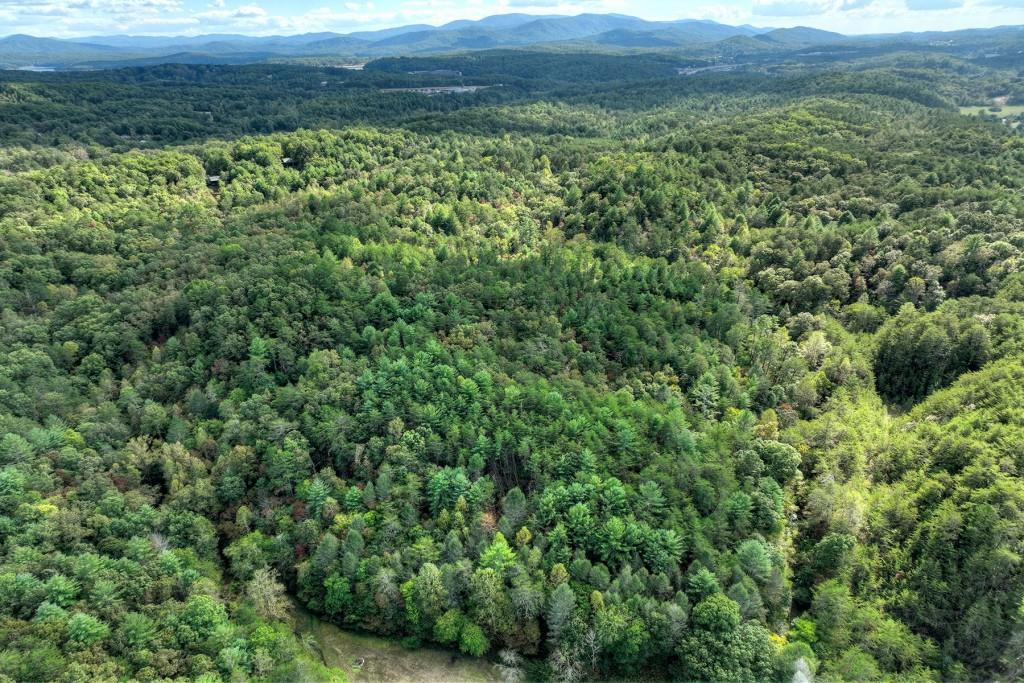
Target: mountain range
x=604, y=32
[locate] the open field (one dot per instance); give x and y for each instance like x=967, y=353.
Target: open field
x=999, y=110
x=1005, y=110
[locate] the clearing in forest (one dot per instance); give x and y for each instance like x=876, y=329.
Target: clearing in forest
x=368, y=658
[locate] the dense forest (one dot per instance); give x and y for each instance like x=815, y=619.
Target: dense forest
x=605, y=373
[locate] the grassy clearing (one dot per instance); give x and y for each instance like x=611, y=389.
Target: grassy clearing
x=1005, y=110
x=368, y=658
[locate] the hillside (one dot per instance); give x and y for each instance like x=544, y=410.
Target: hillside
x=587, y=32
x=622, y=366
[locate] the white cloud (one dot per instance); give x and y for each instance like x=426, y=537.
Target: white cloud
x=246, y=18
x=534, y=3
x=62, y=18
x=126, y=6
x=791, y=8
x=928, y=5
x=807, y=8
x=723, y=14
x=890, y=16
x=96, y=7
x=563, y=7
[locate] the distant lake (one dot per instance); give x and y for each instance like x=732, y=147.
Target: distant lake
x=32, y=68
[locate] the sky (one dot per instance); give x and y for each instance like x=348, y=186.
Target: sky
x=78, y=18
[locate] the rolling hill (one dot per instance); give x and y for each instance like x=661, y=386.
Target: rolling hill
x=592, y=32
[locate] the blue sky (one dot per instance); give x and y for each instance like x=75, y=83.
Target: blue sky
x=72, y=18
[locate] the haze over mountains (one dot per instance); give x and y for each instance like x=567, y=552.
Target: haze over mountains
x=582, y=32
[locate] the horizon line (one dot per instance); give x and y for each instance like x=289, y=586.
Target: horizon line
x=426, y=26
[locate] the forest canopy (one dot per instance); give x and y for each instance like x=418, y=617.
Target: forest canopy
x=701, y=379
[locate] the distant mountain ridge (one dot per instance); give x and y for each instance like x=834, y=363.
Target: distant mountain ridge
x=597, y=32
